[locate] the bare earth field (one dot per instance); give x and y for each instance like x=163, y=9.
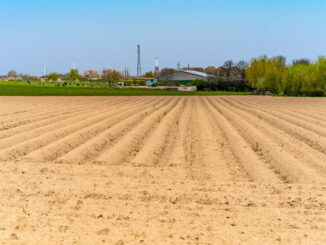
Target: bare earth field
x=162, y=170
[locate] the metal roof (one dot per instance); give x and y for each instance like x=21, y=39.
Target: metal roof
x=197, y=73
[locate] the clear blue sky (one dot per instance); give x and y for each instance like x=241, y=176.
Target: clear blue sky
x=104, y=33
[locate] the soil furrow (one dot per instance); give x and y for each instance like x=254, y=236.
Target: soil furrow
x=58, y=148
x=128, y=146
x=162, y=170
x=35, y=115
x=153, y=148
x=92, y=149
x=310, y=138
x=293, y=170
x=57, y=132
x=291, y=145
x=242, y=151
x=294, y=120
x=49, y=119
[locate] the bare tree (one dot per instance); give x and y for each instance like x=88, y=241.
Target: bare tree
x=228, y=69
x=200, y=69
x=126, y=73
x=211, y=70
x=167, y=71
x=242, y=65
x=91, y=74
x=111, y=76
x=12, y=73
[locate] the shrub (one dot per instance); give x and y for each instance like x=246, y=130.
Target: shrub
x=201, y=85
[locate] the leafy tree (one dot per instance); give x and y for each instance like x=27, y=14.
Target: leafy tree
x=299, y=78
x=149, y=74
x=73, y=75
x=111, y=76
x=302, y=61
x=53, y=76
x=266, y=73
x=201, y=85
x=320, y=85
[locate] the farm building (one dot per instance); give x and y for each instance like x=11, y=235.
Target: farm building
x=185, y=76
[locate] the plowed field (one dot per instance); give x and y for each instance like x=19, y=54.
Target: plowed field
x=162, y=170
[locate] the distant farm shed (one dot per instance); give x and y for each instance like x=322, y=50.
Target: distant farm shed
x=185, y=76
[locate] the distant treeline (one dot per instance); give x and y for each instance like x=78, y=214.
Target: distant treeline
x=301, y=78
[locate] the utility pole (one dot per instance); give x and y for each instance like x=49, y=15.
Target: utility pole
x=138, y=62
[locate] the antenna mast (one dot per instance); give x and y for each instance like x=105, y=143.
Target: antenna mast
x=138, y=62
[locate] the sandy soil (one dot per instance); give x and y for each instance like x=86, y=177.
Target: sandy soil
x=162, y=170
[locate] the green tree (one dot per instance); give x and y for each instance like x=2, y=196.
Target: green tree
x=266, y=73
x=320, y=85
x=53, y=76
x=299, y=79
x=73, y=75
x=200, y=84
x=149, y=74
x=302, y=61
